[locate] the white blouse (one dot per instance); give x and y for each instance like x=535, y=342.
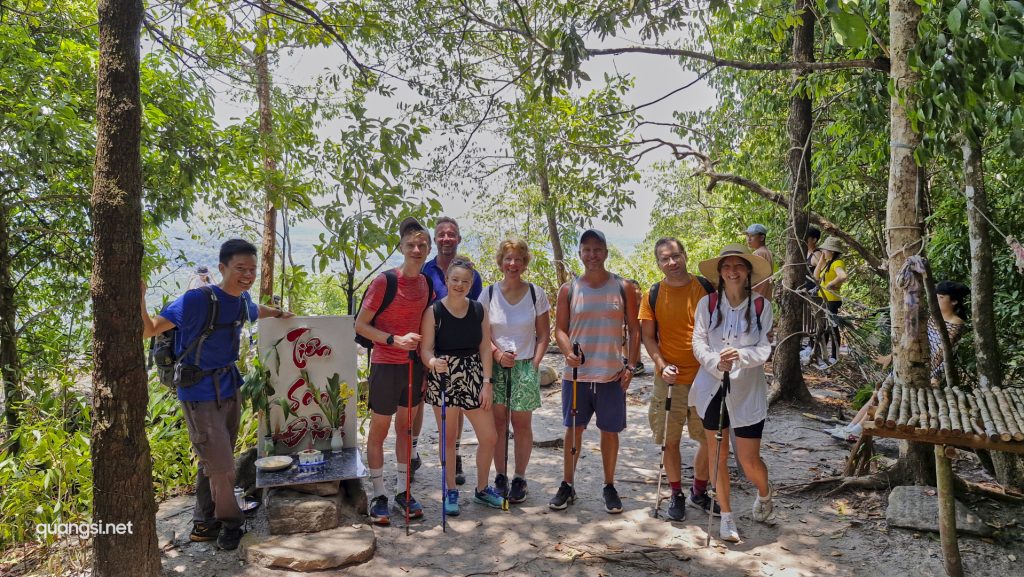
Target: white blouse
x=747, y=401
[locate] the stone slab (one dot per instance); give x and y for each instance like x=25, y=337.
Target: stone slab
x=346, y=545
x=343, y=464
x=918, y=508
x=293, y=512
x=323, y=488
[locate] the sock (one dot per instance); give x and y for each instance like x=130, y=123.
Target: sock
x=377, y=478
x=726, y=516
x=415, y=449
x=677, y=487
x=518, y=476
x=458, y=449
x=700, y=486
x=401, y=468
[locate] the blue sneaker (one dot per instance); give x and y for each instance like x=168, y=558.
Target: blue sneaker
x=451, y=503
x=415, y=510
x=488, y=497
x=379, y=513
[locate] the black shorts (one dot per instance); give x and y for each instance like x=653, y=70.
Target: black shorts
x=389, y=387
x=710, y=420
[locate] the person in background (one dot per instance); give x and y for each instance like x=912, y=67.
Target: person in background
x=831, y=274
x=756, y=234
x=520, y=316
x=200, y=278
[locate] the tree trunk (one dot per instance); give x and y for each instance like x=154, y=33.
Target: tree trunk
x=9, y=362
x=121, y=463
x=903, y=235
x=1008, y=467
x=786, y=362
x=266, y=132
x=549, y=213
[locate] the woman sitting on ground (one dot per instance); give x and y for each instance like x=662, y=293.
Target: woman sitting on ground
x=730, y=335
x=951, y=296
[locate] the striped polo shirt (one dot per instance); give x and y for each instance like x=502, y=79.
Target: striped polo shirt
x=596, y=321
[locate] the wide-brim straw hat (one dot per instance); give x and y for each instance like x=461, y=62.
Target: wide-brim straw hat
x=832, y=244
x=761, y=268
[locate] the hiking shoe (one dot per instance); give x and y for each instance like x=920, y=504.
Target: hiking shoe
x=501, y=484
x=460, y=477
x=229, y=538
x=451, y=503
x=763, y=507
x=639, y=369
x=677, y=507
x=488, y=497
x=379, y=512
x=518, y=492
x=704, y=502
x=612, y=503
x=202, y=532
x=727, y=530
x=566, y=494
x=415, y=510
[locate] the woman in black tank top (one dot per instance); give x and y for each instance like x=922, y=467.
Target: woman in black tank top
x=456, y=339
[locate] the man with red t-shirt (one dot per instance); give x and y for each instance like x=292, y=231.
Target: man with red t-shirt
x=395, y=334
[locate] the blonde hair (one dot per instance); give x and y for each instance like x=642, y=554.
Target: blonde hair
x=516, y=244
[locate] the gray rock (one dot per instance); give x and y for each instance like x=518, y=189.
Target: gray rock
x=338, y=547
x=548, y=375
x=915, y=508
x=323, y=488
x=354, y=501
x=293, y=512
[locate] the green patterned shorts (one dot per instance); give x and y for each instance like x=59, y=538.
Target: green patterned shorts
x=525, y=386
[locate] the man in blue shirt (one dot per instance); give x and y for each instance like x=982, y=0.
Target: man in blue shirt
x=211, y=405
x=447, y=239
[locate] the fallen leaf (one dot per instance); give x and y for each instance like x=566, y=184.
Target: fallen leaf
x=837, y=554
x=1011, y=557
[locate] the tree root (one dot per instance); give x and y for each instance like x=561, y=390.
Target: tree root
x=891, y=478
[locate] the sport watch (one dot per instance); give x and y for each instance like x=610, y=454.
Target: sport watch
x=390, y=340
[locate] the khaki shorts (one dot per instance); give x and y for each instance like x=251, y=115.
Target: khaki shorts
x=681, y=413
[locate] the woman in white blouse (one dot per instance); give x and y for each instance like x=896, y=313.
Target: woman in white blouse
x=731, y=336
x=520, y=318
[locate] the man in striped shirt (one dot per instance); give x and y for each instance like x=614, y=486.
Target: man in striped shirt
x=592, y=310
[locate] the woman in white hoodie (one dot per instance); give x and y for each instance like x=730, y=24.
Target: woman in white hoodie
x=730, y=337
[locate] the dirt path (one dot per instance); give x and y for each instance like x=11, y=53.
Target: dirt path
x=811, y=535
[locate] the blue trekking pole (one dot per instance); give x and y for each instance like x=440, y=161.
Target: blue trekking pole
x=444, y=471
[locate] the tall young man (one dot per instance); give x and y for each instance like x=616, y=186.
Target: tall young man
x=395, y=333
x=667, y=331
x=210, y=400
x=447, y=239
x=592, y=311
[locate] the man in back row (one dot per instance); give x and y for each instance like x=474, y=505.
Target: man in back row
x=667, y=315
x=209, y=394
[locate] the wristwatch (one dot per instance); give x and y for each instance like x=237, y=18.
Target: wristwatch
x=390, y=340
x=489, y=380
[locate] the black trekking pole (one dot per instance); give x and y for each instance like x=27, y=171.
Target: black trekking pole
x=508, y=430
x=576, y=350
x=444, y=442
x=713, y=493
x=664, y=442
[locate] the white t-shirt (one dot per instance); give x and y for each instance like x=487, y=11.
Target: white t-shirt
x=514, y=327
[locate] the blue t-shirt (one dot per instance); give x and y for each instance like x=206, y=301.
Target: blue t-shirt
x=188, y=313
x=441, y=288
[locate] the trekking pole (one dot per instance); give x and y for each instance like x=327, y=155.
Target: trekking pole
x=576, y=350
x=508, y=430
x=444, y=470
x=713, y=492
x=408, y=460
x=664, y=442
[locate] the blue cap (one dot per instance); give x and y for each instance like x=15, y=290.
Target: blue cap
x=757, y=229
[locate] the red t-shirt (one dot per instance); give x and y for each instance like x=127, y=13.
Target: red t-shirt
x=401, y=317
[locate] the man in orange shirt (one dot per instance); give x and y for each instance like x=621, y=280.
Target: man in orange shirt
x=666, y=315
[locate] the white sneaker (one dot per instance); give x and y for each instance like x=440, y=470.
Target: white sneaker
x=763, y=507
x=727, y=530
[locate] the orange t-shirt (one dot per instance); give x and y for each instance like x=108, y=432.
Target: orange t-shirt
x=676, y=308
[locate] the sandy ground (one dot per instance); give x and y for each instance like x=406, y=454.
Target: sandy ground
x=812, y=534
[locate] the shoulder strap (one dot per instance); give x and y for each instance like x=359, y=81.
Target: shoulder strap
x=430, y=288
x=533, y=296
x=568, y=300
x=478, y=310
x=390, y=290
x=758, y=307
x=708, y=287
x=652, y=296
x=712, y=303
x=625, y=303
x=208, y=327
x=436, y=306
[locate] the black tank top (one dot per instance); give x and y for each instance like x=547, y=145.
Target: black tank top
x=455, y=336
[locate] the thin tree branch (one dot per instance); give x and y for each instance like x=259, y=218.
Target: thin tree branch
x=879, y=63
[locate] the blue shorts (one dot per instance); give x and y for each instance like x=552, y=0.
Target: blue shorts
x=608, y=400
